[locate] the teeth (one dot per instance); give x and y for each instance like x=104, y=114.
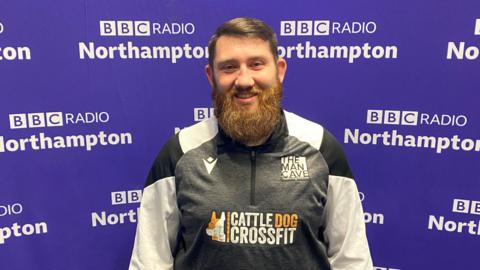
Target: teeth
x=247, y=95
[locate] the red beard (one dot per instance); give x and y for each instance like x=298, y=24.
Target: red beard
x=246, y=126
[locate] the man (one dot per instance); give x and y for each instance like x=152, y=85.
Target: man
x=254, y=187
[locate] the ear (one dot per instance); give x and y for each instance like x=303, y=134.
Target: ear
x=282, y=68
x=209, y=73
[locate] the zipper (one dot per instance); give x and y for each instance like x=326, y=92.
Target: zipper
x=253, y=157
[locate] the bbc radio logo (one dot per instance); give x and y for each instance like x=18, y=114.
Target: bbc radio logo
x=126, y=197
x=124, y=28
x=387, y=117
x=414, y=118
x=466, y=206
x=477, y=28
x=144, y=28
x=325, y=28
x=55, y=119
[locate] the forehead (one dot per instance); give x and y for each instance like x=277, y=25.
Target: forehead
x=240, y=48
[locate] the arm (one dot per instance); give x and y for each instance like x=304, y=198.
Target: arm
x=345, y=229
x=345, y=226
x=158, y=216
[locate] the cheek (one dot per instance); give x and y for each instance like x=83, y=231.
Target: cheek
x=224, y=82
x=267, y=79
x=266, y=83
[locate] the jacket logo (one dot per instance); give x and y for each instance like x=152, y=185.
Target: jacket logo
x=238, y=227
x=209, y=164
x=216, y=227
x=294, y=168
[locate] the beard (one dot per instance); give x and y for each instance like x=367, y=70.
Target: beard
x=248, y=126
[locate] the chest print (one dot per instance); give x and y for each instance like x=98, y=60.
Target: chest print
x=294, y=168
x=253, y=228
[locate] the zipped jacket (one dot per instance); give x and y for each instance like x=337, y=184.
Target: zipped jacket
x=290, y=203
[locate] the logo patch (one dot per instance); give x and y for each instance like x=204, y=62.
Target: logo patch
x=294, y=168
x=237, y=227
x=216, y=227
x=209, y=164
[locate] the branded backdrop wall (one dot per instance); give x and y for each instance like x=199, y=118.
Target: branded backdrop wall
x=90, y=91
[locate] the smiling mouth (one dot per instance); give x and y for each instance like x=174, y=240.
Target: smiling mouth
x=245, y=98
x=245, y=95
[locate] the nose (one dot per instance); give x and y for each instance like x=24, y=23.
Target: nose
x=244, y=79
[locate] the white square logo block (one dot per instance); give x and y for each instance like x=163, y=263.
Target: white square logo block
x=374, y=116
x=321, y=28
x=461, y=206
x=119, y=197
x=409, y=118
x=18, y=120
x=287, y=28
x=142, y=28
x=36, y=120
x=475, y=207
x=134, y=196
x=304, y=28
x=125, y=28
x=200, y=114
x=391, y=117
x=108, y=28
x=54, y=119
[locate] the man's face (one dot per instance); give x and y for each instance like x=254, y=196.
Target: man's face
x=244, y=66
x=247, y=88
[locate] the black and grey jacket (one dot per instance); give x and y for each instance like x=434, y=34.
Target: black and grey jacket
x=291, y=203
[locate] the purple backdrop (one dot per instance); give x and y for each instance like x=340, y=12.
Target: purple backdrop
x=90, y=91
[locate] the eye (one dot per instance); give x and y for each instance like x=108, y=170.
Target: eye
x=228, y=68
x=257, y=64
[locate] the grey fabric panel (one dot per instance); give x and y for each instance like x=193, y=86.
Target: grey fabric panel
x=165, y=162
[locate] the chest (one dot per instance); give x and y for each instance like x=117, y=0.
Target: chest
x=289, y=185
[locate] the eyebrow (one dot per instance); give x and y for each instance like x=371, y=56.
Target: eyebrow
x=231, y=60
x=227, y=61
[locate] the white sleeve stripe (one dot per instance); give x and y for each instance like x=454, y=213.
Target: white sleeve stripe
x=304, y=130
x=157, y=228
x=192, y=137
x=345, y=229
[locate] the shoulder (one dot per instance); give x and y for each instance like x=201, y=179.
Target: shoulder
x=165, y=161
x=321, y=139
x=304, y=130
x=178, y=145
x=334, y=155
x=192, y=137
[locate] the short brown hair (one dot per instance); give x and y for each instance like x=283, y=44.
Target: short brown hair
x=243, y=27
